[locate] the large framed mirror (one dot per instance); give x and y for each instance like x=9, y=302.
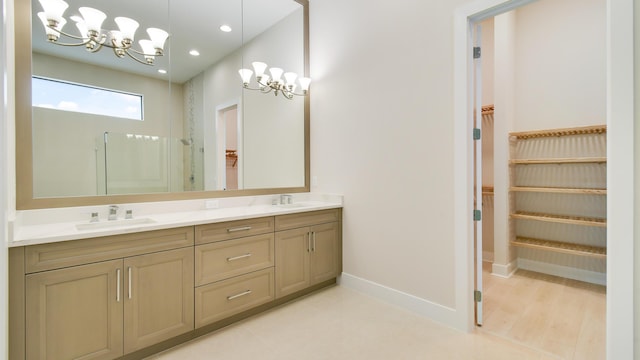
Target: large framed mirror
x=108, y=127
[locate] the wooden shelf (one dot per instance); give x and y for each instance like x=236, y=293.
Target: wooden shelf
x=597, y=129
x=562, y=219
x=558, y=190
x=487, y=110
x=586, y=160
x=561, y=247
x=487, y=190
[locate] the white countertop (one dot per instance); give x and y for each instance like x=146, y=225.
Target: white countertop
x=39, y=226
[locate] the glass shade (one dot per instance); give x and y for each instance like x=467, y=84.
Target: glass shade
x=158, y=38
x=82, y=28
x=276, y=74
x=264, y=80
x=245, y=74
x=116, y=36
x=290, y=78
x=93, y=18
x=127, y=27
x=304, y=83
x=54, y=9
x=147, y=48
x=259, y=67
x=49, y=30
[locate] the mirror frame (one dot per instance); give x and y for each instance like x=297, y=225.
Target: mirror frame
x=23, y=127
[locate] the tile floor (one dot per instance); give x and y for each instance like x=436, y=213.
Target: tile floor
x=339, y=323
x=561, y=316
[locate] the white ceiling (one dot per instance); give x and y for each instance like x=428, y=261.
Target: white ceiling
x=192, y=24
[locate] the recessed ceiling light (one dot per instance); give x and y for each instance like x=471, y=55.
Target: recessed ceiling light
x=194, y=52
x=225, y=28
x=162, y=71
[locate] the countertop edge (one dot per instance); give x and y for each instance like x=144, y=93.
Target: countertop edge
x=52, y=233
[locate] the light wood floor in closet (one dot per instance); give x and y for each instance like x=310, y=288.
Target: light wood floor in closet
x=560, y=316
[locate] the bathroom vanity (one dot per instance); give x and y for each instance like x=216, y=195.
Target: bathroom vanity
x=133, y=290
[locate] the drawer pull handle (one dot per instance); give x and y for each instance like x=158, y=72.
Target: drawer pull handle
x=118, y=285
x=233, y=297
x=241, y=228
x=238, y=257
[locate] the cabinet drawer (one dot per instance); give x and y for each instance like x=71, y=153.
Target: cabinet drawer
x=225, y=259
x=285, y=222
x=78, y=252
x=229, y=297
x=233, y=229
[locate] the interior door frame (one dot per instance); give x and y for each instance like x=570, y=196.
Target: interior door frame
x=620, y=180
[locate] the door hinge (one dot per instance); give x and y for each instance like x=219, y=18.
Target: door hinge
x=477, y=296
x=477, y=215
x=476, y=52
x=477, y=133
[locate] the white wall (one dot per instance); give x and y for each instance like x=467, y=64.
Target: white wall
x=382, y=135
x=560, y=64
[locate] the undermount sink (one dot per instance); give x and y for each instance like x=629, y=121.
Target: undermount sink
x=293, y=205
x=114, y=223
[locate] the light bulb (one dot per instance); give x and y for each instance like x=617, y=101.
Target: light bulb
x=52, y=34
x=290, y=78
x=127, y=27
x=245, y=74
x=93, y=18
x=276, y=74
x=148, y=50
x=54, y=9
x=259, y=67
x=304, y=83
x=158, y=38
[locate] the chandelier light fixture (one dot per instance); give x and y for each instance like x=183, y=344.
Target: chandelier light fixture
x=275, y=83
x=93, y=37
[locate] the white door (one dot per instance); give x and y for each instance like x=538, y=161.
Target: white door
x=477, y=121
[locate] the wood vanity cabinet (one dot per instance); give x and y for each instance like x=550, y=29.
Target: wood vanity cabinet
x=135, y=294
x=233, y=268
x=105, y=309
x=308, y=250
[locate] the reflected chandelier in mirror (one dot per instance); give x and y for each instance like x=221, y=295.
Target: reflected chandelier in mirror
x=93, y=38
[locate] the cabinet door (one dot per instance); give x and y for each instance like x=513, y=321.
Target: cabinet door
x=75, y=313
x=324, y=252
x=292, y=261
x=158, y=301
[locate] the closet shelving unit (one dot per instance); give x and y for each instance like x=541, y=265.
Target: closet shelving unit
x=515, y=215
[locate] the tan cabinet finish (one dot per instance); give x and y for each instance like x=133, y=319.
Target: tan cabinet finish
x=307, y=255
x=233, y=229
x=135, y=294
x=78, y=252
x=159, y=297
x=224, y=259
x=228, y=297
x=75, y=312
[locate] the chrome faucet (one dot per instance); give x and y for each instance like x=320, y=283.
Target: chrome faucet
x=94, y=217
x=113, y=212
x=286, y=199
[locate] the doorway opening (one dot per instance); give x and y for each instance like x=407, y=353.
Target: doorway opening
x=228, y=148
x=529, y=289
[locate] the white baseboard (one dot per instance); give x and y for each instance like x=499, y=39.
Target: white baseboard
x=563, y=271
x=433, y=311
x=487, y=256
x=504, y=270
